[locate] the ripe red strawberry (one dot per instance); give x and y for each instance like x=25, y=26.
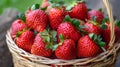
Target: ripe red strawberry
x=68, y=31
x=25, y=40
x=96, y=14
x=38, y=47
x=37, y=19
x=56, y=16
x=67, y=50
x=79, y=11
x=88, y=47
x=106, y=33
x=45, y=4
x=17, y=25
x=91, y=28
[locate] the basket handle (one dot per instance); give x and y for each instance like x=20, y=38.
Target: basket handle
x=110, y=15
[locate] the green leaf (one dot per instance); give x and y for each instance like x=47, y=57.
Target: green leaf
x=94, y=18
x=67, y=18
x=89, y=9
x=35, y=6
x=18, y=33
x=44, y=33
x=48, y=46
x=81, y=27
x=55, y=47
x=75, y=22
x=91, y=35
x=103, y=26
x=44, y=8
x=106, y=19
x=117, y=23
x=101, y=10
x=61, y=37
x=53, y=33
x=101, y=44
x=46, y=38
x=21, y=16
x=97, y=39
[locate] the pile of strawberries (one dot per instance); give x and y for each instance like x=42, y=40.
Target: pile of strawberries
x=63, y=32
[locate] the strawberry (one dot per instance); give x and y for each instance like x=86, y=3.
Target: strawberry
x=37, y=19
x=17, y=25
x=106, y=33
x=91, y=28
x=88, y=46
x=79, y=11
x=66, y=50
x=38, y=47
x=25, y=40
x=68, y=31
x=98, y=15
x=56, y=16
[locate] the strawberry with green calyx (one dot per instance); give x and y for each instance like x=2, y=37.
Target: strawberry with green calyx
x=56, y=16
x=96, y=14
x=68, y=31
x=18, y=25
x=66, y=49
x=106, y=32
x=44, y=43
x=92, y=28
x=37, y=19
x=78, y=10
x=78, y=24
x=90, y=46
x=56, y=13
x=25, y=39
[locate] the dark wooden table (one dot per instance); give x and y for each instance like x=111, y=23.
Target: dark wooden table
x=9, y=16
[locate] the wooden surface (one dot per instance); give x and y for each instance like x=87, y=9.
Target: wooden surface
x=10, y=14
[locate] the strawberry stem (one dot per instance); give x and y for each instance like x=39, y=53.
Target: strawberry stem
x=103, y=49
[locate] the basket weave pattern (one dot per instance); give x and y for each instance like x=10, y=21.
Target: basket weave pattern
x=22, y=58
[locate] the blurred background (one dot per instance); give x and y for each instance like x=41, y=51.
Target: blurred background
x=20, y=5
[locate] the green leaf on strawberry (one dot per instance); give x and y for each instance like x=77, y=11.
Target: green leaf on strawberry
x=67, y=18
x=117, y=23
x=61, y=37
x=53, y=34
x=97, y=39
x=35, y=6
x=103, y=26
x=49, y=38
x=106, y=19
x=18, y=33
x=55, y=47
x=21, y=16
x=94, y=19
x=76, y=23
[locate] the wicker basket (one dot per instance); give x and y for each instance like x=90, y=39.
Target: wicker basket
x=22, y=58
